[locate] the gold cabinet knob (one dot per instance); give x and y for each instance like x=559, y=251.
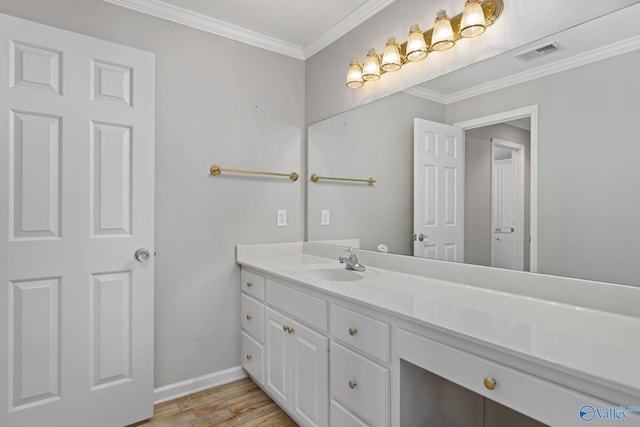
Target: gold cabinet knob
x=353, y=384
x=248, y=356
x=290, y=330
x=490, y=383
x=353, y=331
x=249, y=284
x=285, y=328
x=249, y=317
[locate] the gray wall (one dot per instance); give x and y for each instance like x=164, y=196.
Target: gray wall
x=206, y=112
x=587, y=166
x=375, y=140
x=477, y=202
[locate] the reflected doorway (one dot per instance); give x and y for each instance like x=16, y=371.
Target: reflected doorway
x=501, y=226
x=508, y=162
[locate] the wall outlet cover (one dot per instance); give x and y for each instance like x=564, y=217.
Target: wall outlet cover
x=281, y=218
x=325, y=217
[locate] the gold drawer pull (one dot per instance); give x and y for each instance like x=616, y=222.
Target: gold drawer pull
x=249, y=317
x=287, y=329
x=490, y=383
x=248, y=356
x=249, y=284
x=353, y=331
x=352, y=384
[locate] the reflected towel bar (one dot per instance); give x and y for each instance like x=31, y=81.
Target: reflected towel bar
x=216, y=170
x=316, y=178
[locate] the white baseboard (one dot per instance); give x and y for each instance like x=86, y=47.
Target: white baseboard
x=194, y=385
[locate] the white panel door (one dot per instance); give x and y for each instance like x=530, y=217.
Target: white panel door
x=504, y=213
x=76, y=202
x=438, y=191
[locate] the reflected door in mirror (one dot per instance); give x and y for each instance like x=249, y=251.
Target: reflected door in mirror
x=438, y=212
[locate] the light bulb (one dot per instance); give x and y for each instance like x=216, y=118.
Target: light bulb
x=442, y=38
x=371, y=69
x=354, y=76
x=416, y=46
x=472, y=23
x=391, y=58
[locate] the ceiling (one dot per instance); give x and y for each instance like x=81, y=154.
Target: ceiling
x=295, y=28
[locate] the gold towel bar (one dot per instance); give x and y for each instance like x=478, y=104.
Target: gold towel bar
x=216, y=170
x=316, y=178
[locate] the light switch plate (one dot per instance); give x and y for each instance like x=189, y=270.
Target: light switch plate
x=325, y=217
x=281, y=218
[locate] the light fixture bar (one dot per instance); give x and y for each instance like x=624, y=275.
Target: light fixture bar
x=492, y=10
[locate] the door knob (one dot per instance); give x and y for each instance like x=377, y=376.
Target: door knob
x=420, y=237
x=143, y=254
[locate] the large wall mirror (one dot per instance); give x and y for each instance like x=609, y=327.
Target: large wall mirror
x=550, y=178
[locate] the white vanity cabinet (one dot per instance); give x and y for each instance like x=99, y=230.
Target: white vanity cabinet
x=286, y=351
x=528, y=394
x=394, y=349
x=360, y=352
x=297, y=368
x=252, y=322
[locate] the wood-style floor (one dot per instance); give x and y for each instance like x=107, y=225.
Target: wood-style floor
x=240, y=403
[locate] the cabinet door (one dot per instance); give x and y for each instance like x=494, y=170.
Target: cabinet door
x=310, y=376
x=277, y=341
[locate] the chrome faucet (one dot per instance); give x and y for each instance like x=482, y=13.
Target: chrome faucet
x=351, y=261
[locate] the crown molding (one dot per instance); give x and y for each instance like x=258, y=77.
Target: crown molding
x=575, y=61
x=355, y=18
x=205, y=23
x=427, y=94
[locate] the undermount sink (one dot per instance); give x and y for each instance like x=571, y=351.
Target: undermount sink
x=332, y=273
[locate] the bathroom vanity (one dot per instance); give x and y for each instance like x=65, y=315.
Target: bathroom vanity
x=413, y=342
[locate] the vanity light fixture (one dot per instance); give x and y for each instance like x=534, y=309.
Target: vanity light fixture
x=442, y=38
x=391, y=60
x=354, y=78
x=371, y=69
x=473, y=21
x=416, y=45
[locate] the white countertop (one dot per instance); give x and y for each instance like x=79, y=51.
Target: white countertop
x=599, y=345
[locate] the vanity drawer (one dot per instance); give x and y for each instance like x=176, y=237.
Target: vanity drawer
x=251, y=357
x=360, y=385
x=542, y=400
x=360, y=331
x=305, y=307
x=252, y=284
x=252, y=319
x=340, y=416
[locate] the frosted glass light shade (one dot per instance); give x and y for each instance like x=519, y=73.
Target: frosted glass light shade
x=472, y=23
x=371, y=69
x=391, y=58
x=442, y=38
x=416, y=46
x=354, y=76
